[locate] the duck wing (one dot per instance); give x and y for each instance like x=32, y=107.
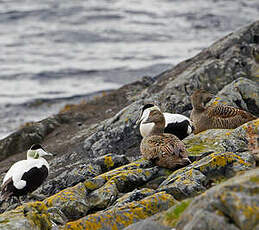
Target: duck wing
x=167, y=144
x=175, y=146
x=224, y=111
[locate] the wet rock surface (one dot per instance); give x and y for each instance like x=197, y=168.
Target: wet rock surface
x=98, y=179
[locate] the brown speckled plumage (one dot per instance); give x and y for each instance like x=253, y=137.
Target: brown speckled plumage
x=215, y=117
x=164, y=149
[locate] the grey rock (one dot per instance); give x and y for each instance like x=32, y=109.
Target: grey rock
x=79, y=171
x=147, y=224
x=121, y=217
x=117, y=135
x=135, y=195
x=28, y=135
x=232, y=204
x=197, y=177
x=241, y=93
x=222, y=140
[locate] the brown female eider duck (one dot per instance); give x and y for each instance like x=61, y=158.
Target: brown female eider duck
x=215, y=117
x=164, y=149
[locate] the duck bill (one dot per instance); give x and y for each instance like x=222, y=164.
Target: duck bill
x=44, y=153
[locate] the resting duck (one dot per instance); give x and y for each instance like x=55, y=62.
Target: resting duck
x=164, y=149
x=215, y=117
x=25, y=176
x=176, y=124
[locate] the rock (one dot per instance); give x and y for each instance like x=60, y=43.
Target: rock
x=196, y=178
x=71, y=202
x=31, y=216
x=170, y=217
x=147, y=224
x=28, y=135
x=116, y=135
x=241, y=93
x=120, y=218
x=135, y=195
x=94, y=194
x=232, y=204
x=102, y=191
x=119, y=181
x=80, y=172
x=110, y=161
x=221, y=140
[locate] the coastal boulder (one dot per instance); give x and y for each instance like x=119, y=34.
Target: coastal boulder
x=233, y=204
x=199, y=176
x=224, y=140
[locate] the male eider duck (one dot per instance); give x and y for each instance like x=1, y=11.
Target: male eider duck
x=215, y=117
x=25, y=176
x=177, y=124
x=164, y=149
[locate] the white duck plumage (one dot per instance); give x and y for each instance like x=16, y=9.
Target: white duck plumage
x=17, y=180
x=177, y=124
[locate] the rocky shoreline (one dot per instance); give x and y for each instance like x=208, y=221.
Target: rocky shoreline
x=98, y=179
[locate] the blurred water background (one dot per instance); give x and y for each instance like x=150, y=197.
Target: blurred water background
x=59, y=51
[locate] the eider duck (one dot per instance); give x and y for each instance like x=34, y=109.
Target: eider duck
x=176, y=124
x=215, y=117
x=164, y=149
x=25, y=176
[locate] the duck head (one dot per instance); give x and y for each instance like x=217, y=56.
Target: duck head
x=156, y=117
x=37, y=151
x=143, y=115
x=200, y=98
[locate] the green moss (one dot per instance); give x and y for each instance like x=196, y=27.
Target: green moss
x=197, y=149
x=172, y=216
x=4, y=221
x=254, y=179
x=197, y=145
x=257, y=58
x=179, y=209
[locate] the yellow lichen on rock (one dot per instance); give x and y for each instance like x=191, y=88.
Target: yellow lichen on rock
x=66, y=195
x=108, y=161
x=38, y=216
x=123, y=216
x=219, y=160
x=91, y=185
x=33, y=215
